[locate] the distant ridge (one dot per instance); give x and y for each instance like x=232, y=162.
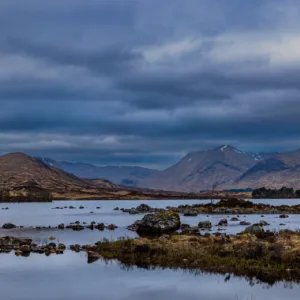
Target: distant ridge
x=280, y=170
x=121, y=175
x=197, y=171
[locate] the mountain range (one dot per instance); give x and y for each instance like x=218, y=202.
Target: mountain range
x=226, y=166
x=123, y=175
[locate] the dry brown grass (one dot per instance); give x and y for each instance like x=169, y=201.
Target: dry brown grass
x=273, y=257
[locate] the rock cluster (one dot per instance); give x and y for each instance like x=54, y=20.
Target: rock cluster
x=24, y=246
x=141, y=209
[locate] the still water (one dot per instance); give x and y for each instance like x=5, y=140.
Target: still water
x=69, y=276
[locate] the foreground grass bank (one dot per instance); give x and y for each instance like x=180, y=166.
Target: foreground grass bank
x=269, y=257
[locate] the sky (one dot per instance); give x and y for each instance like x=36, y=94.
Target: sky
x=143, y=82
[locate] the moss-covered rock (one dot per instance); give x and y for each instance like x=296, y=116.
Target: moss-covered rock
x=158, y=223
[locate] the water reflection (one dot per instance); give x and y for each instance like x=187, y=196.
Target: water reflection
x=69, y=277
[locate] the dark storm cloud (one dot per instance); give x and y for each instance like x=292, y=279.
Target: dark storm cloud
x=104, y=61
x=144, y=82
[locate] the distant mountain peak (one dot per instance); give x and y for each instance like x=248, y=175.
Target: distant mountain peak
x=223, y=147
x=227, y=147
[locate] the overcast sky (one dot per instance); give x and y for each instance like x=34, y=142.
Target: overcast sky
x=143, y=82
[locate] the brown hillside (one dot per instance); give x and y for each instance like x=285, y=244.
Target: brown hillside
x=19, y=169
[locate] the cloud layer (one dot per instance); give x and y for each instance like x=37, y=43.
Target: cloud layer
x=144, y=82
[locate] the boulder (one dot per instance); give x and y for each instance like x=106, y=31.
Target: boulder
x=52, y=238
x=61, y=246
x=75, y=248
x=111, y=227
x=223, y=222
x=184, y=226
x=204, y=224
x=25, y=249
x=234, y=219
x=51, y=245
x=9, y=226
x=38, y=250
x=100, y=226
x=75, y=227
x=116, y=208
x=245, y=223
x=61, y=226
x=143, y=208
x=264, y=223
x=190, y=213
x=283, y=216
x=255, y=229
x=158, y=223
x=18, y=252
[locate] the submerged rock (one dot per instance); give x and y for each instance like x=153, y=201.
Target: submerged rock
x=9, y=226
x=111, y=227
x=75, y=227
x=245, y=223
x=283, y=216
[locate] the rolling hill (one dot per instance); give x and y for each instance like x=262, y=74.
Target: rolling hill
x=18, y=169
